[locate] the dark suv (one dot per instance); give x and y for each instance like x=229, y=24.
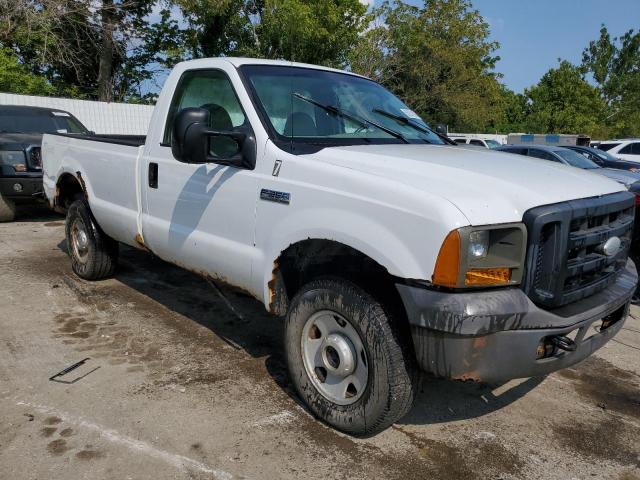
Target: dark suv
x=21, y=130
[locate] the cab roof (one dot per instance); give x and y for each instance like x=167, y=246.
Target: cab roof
x=28, y=109
x=240, y=61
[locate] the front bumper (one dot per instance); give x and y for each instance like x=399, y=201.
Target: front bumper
x=494, y=335
x=31, y=187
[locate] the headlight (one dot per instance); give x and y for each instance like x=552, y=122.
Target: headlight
x=478, y=244
x=15, y=159
x=482, y=256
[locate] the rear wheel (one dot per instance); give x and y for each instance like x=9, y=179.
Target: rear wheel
x=7, y=209
x=348, y=359
x=94, y=255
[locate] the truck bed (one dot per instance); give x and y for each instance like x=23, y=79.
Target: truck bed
x=108, y=167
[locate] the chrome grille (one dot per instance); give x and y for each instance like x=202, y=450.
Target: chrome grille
x=565, y=258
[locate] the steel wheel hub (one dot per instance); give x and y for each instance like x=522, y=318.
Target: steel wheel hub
x=338, y=355
x=80, y=241
x=334, y=357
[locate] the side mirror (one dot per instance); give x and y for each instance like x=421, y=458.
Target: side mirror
x=441, y=129
x=194, y=142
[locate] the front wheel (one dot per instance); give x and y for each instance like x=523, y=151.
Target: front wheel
x=349, y=360
x=7, y=209
x=94, y=255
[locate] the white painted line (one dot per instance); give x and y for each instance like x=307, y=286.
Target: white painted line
x=178, y=461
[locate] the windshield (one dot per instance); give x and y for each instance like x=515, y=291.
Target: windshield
x=35, y=121
x=576, y=160
x=318, y=106
x=603, y=154
x=492, y=144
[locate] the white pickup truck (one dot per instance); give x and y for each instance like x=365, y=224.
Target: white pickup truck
x=326, y=198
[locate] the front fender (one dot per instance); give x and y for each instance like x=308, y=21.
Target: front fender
x=405, y=245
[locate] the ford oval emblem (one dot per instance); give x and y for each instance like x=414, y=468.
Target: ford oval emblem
x=611, y=246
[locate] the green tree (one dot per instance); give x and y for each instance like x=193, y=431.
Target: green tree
x=515, y=112
x=615, y=67
x=438, y=58
x=151, y=48
x=564, y=102
x=320, y=32
x=313, y=31
x=16, y=78
x=86, y=48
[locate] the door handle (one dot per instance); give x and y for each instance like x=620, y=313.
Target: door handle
x=153, y=175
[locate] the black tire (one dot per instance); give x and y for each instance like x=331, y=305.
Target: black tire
x=391, y=386
x=100, y=257
x=7, y=210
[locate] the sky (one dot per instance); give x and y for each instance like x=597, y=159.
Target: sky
x=533, y=34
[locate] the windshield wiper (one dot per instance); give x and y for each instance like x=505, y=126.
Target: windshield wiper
x=361, y=121
x=415, y=126
x=403, y=120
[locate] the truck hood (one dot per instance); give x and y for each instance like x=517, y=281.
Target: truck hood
x=487, y=187
x=19, y=141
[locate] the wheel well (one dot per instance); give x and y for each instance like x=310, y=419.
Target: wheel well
x=309, y=259
x=68, y=189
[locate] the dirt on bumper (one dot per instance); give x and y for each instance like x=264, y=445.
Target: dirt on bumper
x=497, y=335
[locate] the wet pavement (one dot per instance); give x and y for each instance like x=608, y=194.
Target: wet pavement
x=187, y=380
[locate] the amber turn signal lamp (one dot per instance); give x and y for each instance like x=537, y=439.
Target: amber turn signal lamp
x=448, y=261
x=487, y=276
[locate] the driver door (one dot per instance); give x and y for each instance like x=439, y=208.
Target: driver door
x=201, y=216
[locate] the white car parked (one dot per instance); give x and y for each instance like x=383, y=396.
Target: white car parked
x=625, y=149
x=479, y=142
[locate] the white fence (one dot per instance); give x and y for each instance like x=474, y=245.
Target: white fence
x=100, y=117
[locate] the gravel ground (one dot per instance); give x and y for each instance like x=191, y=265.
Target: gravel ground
x=184, y=380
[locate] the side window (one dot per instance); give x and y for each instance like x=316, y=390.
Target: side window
x=542, y=154
x=476, y=142
x=627, y=149
x=635, y=150
x=460, y=141
x=607, y=146
x=209, y=89
x=592, y=157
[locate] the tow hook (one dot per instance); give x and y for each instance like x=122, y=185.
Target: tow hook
x=549, y=346
x=564, y=343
